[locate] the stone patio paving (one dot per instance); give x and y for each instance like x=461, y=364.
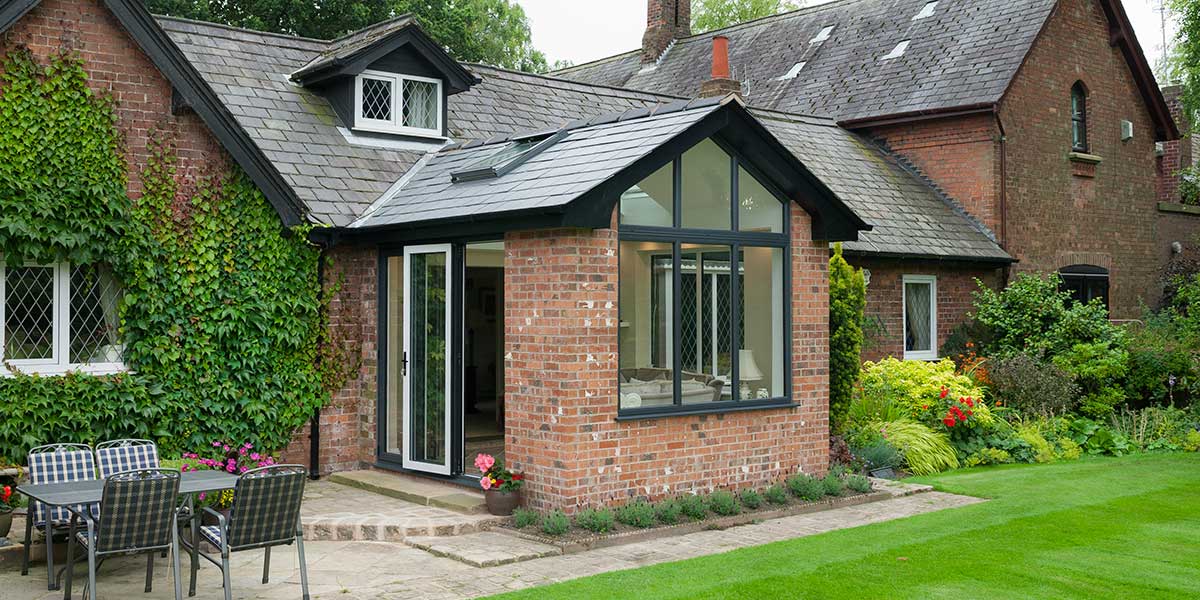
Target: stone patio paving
x=337, y=512
x=388, y=570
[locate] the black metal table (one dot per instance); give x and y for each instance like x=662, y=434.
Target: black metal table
x=87, y=492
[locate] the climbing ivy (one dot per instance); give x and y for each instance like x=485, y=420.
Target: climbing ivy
x=221, y=319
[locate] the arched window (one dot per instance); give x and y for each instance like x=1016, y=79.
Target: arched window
x=1079, y=142
x=1085, y=282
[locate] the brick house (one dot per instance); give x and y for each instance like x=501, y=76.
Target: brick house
x=1037, y=120
x=621, y=292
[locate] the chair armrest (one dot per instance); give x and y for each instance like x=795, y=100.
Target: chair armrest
x=220, y=517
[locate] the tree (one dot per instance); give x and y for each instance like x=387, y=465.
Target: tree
x=494, y=32
x=708, y=15
x=1184, y=58
x=847, y=302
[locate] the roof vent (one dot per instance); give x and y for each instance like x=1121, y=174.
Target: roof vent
x=898, y=51
x=824, y=34
x=793, y=72
x=926, y=11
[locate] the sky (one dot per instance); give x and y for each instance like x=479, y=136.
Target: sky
x=583, y=31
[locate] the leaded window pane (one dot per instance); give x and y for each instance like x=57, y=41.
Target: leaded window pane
x=29, y=313
x=420, y=104
x=918, y=305
x=94, y=320
x=376, y=99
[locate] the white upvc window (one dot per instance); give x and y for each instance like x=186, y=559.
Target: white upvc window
x=393, y=103
x=920, y=317
x=56, y=318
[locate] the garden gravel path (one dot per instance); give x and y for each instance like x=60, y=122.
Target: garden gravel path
x=370, y=569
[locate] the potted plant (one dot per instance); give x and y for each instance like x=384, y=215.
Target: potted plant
x=6, y=510
x=501, y=487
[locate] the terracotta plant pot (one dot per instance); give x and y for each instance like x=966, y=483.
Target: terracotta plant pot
x=5, y=523
x=501, y=503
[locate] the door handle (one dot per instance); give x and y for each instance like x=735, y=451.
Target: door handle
x=404, y=364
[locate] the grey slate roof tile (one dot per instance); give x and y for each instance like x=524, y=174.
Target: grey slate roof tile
x=965, y=54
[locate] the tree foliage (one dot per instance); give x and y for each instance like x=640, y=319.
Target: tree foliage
x=1183, y=61
x=494, y=32
x=847, y=301
x=708, y=15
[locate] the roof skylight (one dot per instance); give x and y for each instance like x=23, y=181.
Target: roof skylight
x=926, y=11
x=793, y=72
x=898, y=51
x=824, y=34
x=506, y=159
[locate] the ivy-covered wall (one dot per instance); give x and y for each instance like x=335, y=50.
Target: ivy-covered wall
x=222, y=314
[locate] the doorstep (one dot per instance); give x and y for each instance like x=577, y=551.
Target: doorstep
x=335, y=512
x=415, y=489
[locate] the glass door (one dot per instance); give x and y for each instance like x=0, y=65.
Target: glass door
x=426, y=362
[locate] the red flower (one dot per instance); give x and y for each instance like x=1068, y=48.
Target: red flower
x=945, y=392
x=924, y=407
x=969, y=401
x=518, y=477
x=949, y=421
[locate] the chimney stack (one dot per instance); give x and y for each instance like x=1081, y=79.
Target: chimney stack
x=722, y=83
x=666, y=21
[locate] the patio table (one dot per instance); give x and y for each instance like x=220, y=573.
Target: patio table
x=75, y=493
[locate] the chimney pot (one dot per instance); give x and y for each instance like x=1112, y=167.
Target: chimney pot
x=720, y=57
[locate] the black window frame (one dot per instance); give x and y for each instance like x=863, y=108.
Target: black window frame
x=677, y=236
x=1086, y=283
x=1079, y=132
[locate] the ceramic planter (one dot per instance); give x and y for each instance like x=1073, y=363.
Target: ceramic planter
x=501, y=503
x=5, y=523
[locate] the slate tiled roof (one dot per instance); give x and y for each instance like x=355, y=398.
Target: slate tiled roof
x=908, y=216
x=586, y=157
x=964, y=54
x=339, y=180
x=351, y=43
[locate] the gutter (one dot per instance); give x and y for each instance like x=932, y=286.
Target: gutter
x=917, y=115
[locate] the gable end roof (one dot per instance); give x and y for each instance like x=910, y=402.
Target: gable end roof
x=142, y=27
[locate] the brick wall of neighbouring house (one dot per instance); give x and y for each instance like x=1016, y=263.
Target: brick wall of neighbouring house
x=1173, y=226
x=561, y=384
x=348, y=428
x=1056, y=217
x=885, y=308
x=958, y=155
x=1176, y=154
x=117, y=66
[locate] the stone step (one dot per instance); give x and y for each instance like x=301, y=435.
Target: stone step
x=336, y=512
x=412, y=489
x=484, y=549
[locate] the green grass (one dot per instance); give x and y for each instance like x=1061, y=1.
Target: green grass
x=1094, y=528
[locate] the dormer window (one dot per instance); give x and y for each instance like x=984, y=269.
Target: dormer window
x=394, y=103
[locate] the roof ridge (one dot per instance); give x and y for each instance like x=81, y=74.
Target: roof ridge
x=378, y=25
x=574, y=82
x=227, y=27
x=596, y=61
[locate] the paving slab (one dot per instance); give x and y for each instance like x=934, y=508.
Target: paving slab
x=485, y=549
x=415, y=490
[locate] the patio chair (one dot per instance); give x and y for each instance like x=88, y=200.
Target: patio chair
x=54, y=463
x=137, y=515
x=265, y=513
x=115, y=456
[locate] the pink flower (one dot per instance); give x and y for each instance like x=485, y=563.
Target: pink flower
x=216, y=444
x=486, y=482
x=483, y=462
x=255, y=456
x=186, y=468
x=231, y=468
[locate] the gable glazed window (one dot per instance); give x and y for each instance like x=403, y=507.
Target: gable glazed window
x=702, y=292
x=1079, y=139
x=59, y=317
x=394, y=103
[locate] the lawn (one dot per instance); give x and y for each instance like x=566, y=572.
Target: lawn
x=1094, y=528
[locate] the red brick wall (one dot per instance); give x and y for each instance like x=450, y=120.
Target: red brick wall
x=561, y=384
x=885, y=299
x=116, y=65
x=348, y=426
x=1176, y=154
x=1057, y=218
x=959, y=155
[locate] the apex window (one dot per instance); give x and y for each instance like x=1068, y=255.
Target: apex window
x=703, y=287
x=392, y=103
x=59, y=317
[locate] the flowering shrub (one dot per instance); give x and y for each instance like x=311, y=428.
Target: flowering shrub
x=229, y=458
x=493, y=475
x=912, y=387
x=950, y=412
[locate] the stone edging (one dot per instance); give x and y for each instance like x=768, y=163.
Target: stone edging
x=1173, y=207
x=630, y=537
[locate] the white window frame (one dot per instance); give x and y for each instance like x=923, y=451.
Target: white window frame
x=932, y=353
x=396, y=123
x=59, y=363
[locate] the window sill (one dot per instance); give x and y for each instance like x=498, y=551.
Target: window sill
x=57, y=371
x=1084, y=157
x=1183, y=209
x=688, y=411
x=923, y=357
